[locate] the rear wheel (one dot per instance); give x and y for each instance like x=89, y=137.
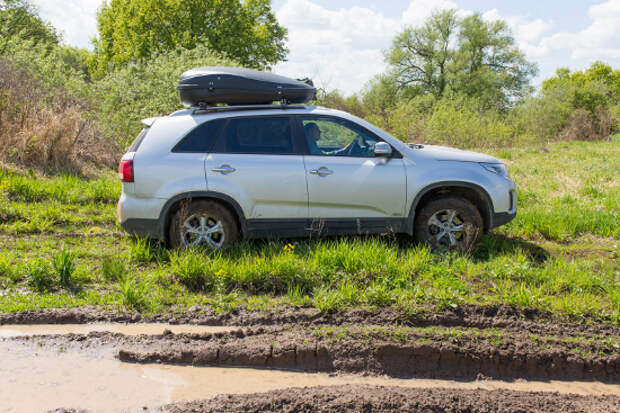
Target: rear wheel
x=203, y=223
x=449, y=223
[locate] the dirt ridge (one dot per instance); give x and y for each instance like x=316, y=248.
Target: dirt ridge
x=434, y=358
x=493, y=316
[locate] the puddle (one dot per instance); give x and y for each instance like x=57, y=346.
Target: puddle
x=37, y=379
x=127, y=329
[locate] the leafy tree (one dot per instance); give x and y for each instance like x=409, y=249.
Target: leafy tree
x=143, y=90
x=468, y=56
x=594, y=88
x=19, y=19
x=131, y=31
x=488, y=64
x=421, y=56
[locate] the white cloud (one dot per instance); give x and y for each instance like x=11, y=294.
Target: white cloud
x=419, y=10
x=343, y=49
x=600, y=40
x=75, y=19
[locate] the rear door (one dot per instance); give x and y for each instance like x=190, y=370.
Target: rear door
x=258, y=162
x=349, y=189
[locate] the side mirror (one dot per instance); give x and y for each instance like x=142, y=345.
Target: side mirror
x=383, y=149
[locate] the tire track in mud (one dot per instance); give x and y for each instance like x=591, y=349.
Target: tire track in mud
x=410, y=355
x=492, y=316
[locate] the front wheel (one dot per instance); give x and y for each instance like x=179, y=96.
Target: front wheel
x=449, y=223
x=203, y=223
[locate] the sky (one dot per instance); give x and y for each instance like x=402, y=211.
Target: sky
x=340, y=44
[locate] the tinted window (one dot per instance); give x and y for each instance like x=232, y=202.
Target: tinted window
x=337, y=137
x=257, y=135
x=201, y=139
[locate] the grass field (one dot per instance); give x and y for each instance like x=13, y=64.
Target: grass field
x=61, y=247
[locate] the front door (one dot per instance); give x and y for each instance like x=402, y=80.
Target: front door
x=349, y=189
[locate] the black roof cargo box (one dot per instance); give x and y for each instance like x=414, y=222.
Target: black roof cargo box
x=237, y=86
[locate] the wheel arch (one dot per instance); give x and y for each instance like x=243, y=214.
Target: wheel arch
x=173, y=204
x=472, y=192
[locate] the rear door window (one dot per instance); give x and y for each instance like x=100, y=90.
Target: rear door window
x=200, y=139
x=267, y=135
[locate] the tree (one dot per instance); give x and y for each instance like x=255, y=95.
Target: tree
x=131, y=31
x=18, y=18
x=594, y=88
x=468, y=56
x=420, y=56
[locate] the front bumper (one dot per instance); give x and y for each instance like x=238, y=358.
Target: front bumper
x=502, y=218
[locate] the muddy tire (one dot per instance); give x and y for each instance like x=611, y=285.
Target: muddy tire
x=203, y=224
x=449, y=224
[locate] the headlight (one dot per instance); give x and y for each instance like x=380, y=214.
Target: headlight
x=498, y=168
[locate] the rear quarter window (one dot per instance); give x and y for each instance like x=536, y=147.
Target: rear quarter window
x=138, y=141
x=200, y=139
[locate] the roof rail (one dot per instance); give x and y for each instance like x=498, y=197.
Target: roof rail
x=232, y=108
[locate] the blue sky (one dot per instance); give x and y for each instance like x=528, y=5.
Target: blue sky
x=339, y=43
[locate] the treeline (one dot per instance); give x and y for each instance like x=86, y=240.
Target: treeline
x=140, y=52
x=464, y=82
x=457, y=81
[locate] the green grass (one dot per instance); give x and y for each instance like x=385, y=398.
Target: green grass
x=62, y=247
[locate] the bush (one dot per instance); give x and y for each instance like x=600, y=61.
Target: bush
x=63, y=263
x=144, y=90
x=46, y=128
x=113, y=269
x=39, y=276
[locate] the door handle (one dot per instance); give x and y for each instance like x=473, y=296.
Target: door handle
x=322, y=171
x=225, y=169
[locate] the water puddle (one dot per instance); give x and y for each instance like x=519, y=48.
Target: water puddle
x=126, y=329
x=34, y=379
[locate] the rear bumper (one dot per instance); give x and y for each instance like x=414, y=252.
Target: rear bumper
x=142, y=227
x=502, y=218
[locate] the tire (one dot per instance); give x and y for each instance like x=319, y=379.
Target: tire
x=203, y=223
x=449, y=224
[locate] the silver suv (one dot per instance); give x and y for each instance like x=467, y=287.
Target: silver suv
x=212, y=176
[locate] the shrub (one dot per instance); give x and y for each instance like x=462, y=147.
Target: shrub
x=133, y=293
x=46, y=128
x=39, y=276
x=63, y=263
x=113, y=269
x=143, y=90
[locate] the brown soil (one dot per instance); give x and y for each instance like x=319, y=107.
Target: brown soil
x=467, y=343
x=397, y=352
x=493, y=316
x=387, y=399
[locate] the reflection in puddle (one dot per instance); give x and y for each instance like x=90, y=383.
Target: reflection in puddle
x=35, y=379
x=127, y=329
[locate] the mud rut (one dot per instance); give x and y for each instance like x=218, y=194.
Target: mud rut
x=471, y=343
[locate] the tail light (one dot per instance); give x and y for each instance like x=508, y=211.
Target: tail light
x=125, y=171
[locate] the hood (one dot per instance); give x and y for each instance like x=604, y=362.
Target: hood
x=444, y=153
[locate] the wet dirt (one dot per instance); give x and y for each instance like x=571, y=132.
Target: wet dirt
x=358, y=398
x=483, y=358
x=492, y=316
x=36, y=378
x=125, y=329
x=396, y=352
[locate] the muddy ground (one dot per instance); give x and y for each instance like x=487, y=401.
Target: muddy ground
x=471, y=343
x=388, y=399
